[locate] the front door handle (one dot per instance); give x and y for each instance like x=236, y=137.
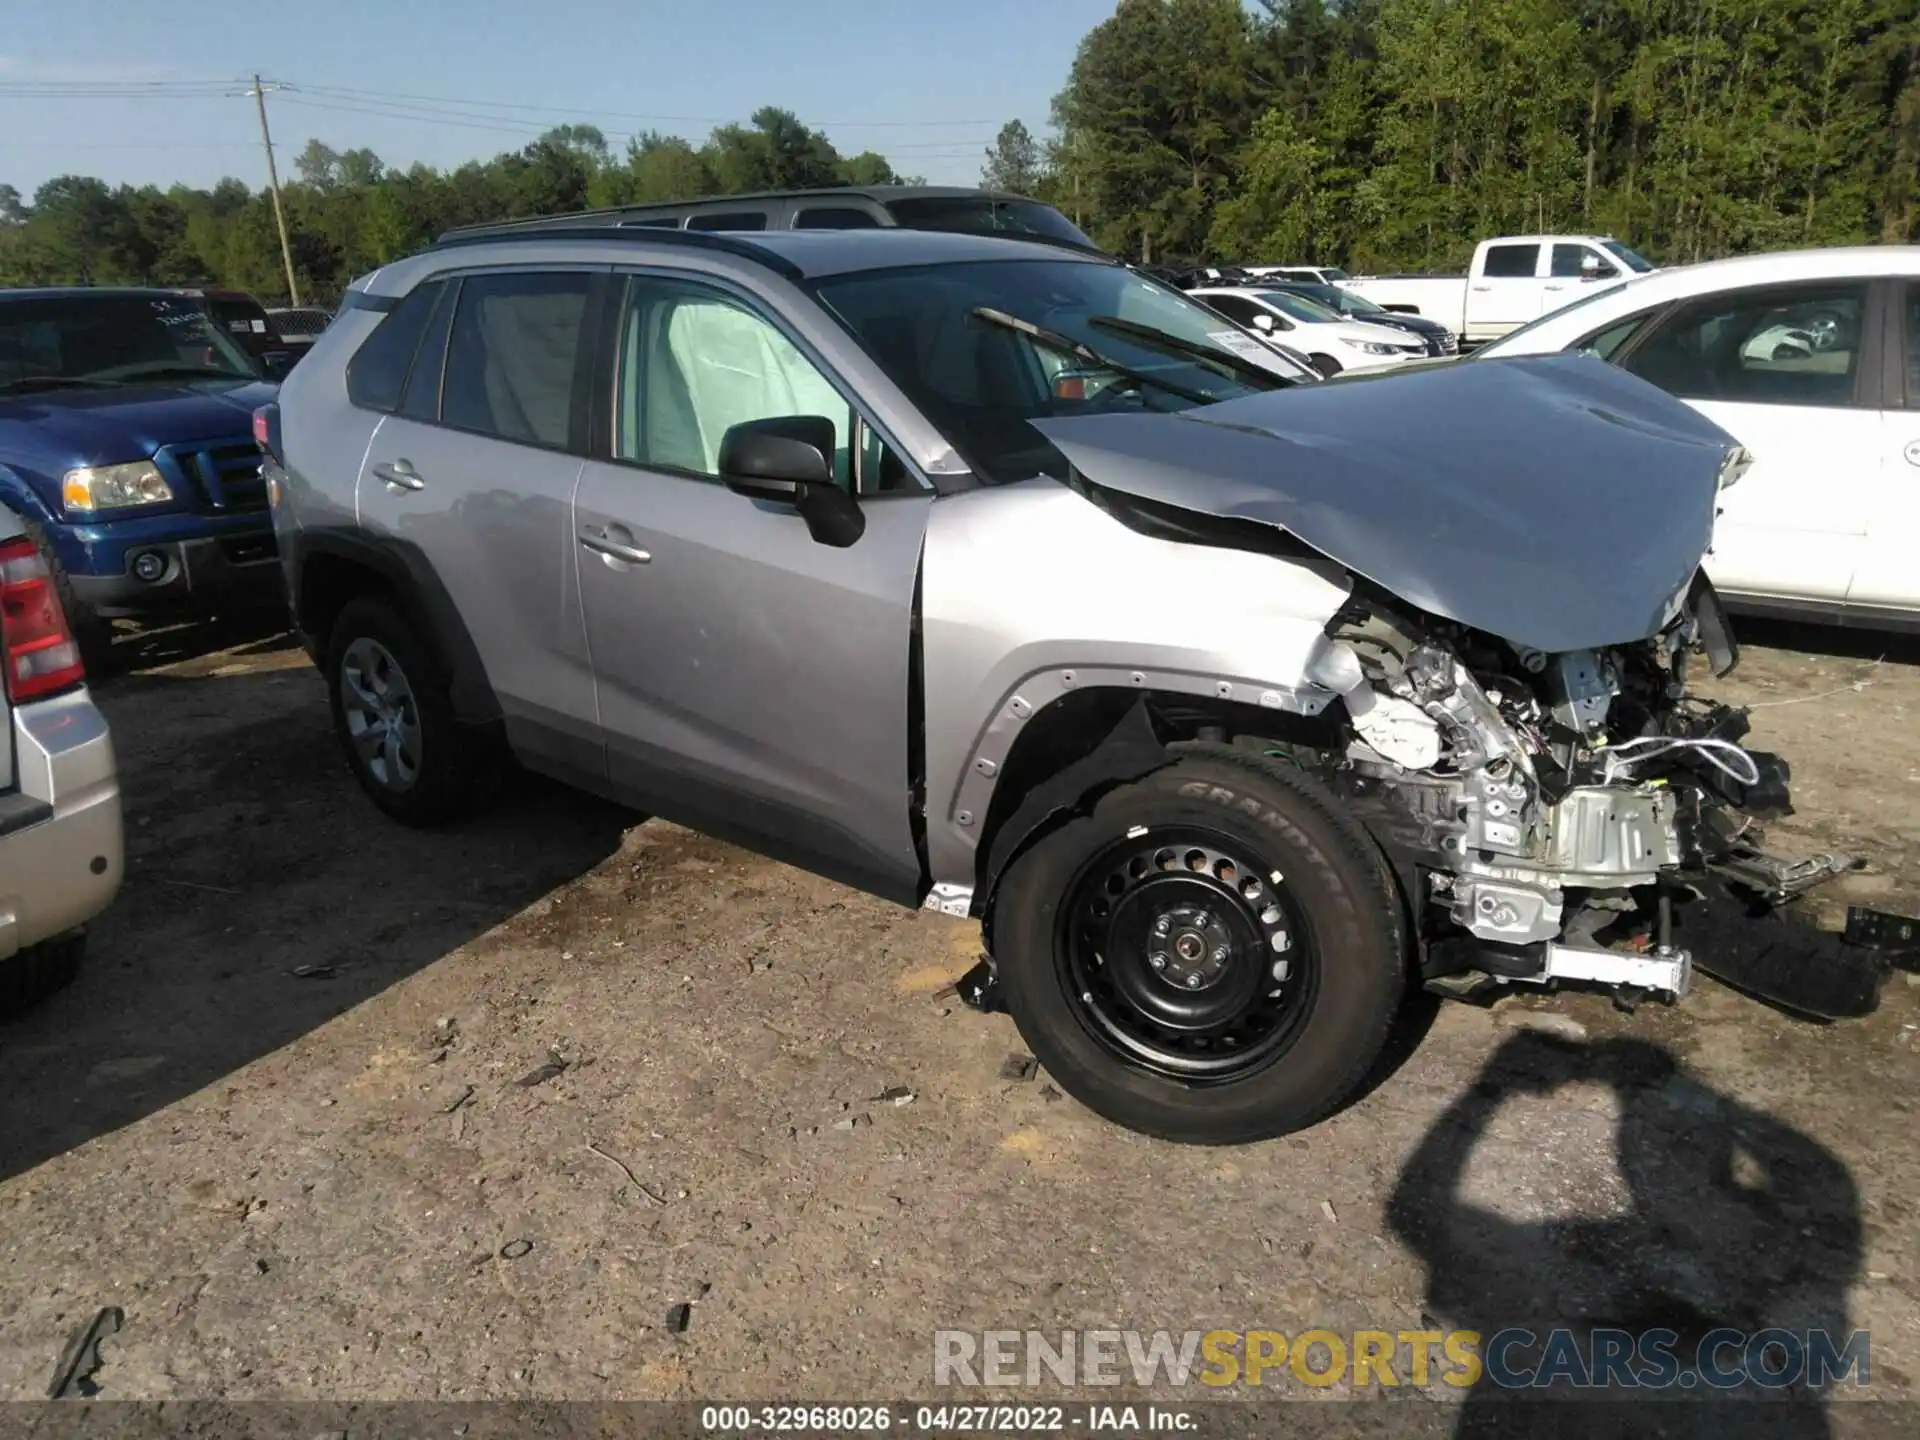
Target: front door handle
x=614, y=543
x=398, y=476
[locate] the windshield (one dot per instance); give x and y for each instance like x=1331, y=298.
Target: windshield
x=981, y=381
x=984, y=215
x=112, y=339
x=1298, y=307
x=1627, y=257
x=1334, y=298
x=1512, y=339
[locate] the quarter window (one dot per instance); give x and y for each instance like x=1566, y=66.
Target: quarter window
x=513, y=354
x=1797, y=345
x=1512, y=262
x=378, y=371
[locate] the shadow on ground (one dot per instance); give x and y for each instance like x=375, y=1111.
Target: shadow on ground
x=1843, y=642
x=1733, y=1222
x=265, y=895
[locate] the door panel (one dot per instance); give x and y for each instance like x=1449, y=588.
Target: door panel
x=488, y=507
x=1780, y=369
x=1889, y=575
x=1507, y=293
x=493, y=521
x=753, y=683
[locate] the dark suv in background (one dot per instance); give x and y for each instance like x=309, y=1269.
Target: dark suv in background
x=848, y=207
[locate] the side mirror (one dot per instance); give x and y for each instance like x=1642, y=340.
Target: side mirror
x=276, y=363
x=1263, y=322
x=787, y=460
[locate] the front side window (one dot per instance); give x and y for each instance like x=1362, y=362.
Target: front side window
x=513, y=354
x=107, y=341
x=1784, y=345
x=1512, y=262
x=1571, y=262
x=1298, y=307
x=694, y=362
x=1236, y=308
x=949, y=337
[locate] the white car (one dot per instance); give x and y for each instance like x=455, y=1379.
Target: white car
x=1811, y=359
x=1327, y=338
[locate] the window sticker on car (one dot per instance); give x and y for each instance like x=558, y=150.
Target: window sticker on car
x=1245, y=346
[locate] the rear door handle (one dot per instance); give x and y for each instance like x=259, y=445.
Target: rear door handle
x=613, y=543
x=398, y=476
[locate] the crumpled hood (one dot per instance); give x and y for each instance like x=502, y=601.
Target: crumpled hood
x=57, y=430
x=1553, y=501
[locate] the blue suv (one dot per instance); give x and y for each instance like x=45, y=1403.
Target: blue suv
x=127, y=451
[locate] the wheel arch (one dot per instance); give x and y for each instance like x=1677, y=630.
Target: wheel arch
x=330, y=569
x=1075, y=749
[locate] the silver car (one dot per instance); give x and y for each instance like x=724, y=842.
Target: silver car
x=1006, y=581
x=60, y=839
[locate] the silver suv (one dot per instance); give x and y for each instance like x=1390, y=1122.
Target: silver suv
x=1004, y=580
x=60, y=838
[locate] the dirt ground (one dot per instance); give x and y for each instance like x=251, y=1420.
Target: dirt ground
x=284, y=1119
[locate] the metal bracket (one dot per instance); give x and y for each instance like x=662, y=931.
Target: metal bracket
x=1670, y=972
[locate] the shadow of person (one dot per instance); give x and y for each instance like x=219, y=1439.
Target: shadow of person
x=1733, y=1221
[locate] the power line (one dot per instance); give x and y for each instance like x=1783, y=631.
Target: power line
x=341, y=90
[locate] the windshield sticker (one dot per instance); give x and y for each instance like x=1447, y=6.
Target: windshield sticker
x=1245, y=346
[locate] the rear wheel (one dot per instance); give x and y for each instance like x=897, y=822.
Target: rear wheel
x=1326, y=365
x=39, y=972
x=1214, y=955
x=396, y=723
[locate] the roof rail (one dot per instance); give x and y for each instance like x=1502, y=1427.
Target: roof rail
x=545, y=228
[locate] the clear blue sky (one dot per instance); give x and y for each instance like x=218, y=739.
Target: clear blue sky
x=860, y=69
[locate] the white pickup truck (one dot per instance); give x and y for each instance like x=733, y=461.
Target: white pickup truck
x=1515, y=279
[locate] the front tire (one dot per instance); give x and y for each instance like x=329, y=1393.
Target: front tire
x=1215, y=955
x=396, y=722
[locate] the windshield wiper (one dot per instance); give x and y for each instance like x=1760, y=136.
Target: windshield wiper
x=1067, y=345
x=50, y=382
x=1180, y=345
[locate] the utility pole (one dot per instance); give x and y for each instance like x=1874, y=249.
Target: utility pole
x=259, y=93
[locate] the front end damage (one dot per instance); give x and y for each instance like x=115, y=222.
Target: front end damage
x=1550, y=814
x=1522, y=542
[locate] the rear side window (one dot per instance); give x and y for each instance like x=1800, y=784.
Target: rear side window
x=378, y=371
x=730, y=220
x=834, y=217
x=512, y=355
x=1512, y=262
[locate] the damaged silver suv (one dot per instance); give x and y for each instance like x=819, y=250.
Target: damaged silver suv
x=1006, y=581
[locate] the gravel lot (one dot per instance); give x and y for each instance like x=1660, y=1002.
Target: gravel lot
x=284, y=1119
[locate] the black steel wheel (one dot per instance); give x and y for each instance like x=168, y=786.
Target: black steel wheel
x=1186, y=954
x=1214, y=954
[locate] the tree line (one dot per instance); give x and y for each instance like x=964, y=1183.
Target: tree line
x=347, y=212
x=1391, y=133
x=1374, y=134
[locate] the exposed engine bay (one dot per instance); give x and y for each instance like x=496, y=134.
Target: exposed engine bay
x=1546, y=810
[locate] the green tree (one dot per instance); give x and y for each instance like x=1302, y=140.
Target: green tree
x=1013, y=162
